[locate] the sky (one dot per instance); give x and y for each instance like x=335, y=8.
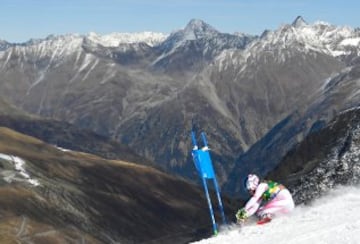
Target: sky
x=332, y=219
x=21, y=20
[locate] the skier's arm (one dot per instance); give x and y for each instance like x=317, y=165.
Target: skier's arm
x=254, y=203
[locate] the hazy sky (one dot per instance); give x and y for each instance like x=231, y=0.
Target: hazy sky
x=21, y=20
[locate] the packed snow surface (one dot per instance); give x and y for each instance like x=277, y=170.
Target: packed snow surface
x=332, y=219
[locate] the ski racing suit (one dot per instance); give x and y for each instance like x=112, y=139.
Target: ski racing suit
x=270, y=198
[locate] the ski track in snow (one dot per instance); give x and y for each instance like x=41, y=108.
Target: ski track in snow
x=332, y=219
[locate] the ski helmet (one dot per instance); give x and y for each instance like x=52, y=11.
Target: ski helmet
x=251, y=182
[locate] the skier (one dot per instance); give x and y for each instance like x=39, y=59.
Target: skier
x=268, y=199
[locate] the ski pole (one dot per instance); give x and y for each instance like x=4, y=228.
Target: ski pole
x=210, y=206
x=193, y=139
x=204, y=139
x=219, y=200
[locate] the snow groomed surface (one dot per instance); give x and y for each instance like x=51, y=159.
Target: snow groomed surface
x=332, y=219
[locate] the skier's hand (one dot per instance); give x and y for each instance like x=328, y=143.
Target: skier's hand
x=241, y=216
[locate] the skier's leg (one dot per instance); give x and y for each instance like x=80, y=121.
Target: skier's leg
x=281, y=204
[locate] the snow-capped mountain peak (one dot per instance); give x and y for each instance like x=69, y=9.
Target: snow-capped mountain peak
x=319, y=37
x=115, y=39
x=4, y=44
x=194, y=30
x=53, y=48
x=201, y=42
x=197, y=29
x=298, y=22
x=66, y=38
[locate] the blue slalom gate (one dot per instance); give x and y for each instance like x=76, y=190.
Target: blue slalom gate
x=206, y=172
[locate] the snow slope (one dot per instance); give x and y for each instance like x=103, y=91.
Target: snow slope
x=19, y=173
x=332, y=219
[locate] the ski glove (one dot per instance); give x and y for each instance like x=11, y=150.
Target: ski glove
x=241, y=215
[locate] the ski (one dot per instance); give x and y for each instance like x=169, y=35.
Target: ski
x=263, y=221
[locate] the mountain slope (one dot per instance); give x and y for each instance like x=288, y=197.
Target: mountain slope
x=81, y=197
x=70, y=137
x=7, y=109
x=326, y=158
x=336, y=95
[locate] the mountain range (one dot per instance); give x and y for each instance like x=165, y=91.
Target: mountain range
x=268, y=104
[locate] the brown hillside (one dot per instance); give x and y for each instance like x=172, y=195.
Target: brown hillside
x=82, y=197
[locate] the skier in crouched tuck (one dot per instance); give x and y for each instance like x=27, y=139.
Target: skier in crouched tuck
x=268, y=199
